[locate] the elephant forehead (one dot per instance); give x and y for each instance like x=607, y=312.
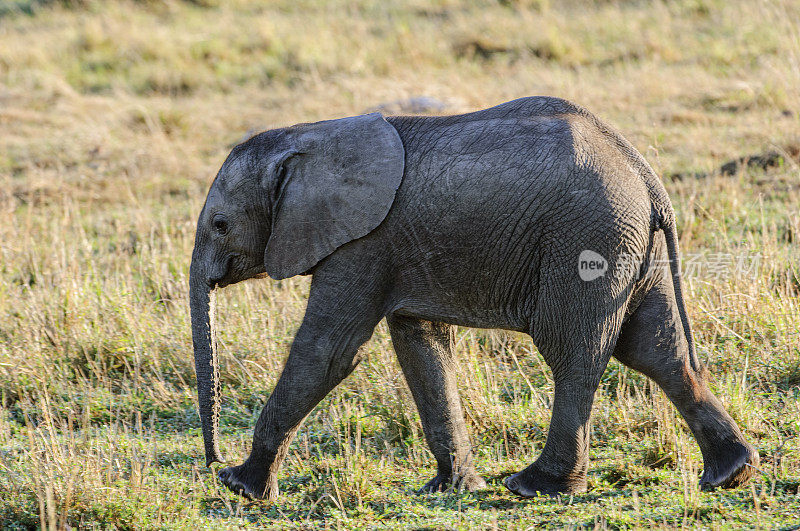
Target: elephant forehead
x=215, y=197
x=236, y=169
x=249, y=158
x=217, y=201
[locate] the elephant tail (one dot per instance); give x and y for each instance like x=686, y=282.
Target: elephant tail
x=667, y=224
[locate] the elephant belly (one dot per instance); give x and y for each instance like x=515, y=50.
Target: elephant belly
x=466, y=281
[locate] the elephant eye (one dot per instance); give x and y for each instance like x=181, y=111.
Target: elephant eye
x=220, y=224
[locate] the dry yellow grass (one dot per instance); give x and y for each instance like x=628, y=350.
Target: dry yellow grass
x=114, y=117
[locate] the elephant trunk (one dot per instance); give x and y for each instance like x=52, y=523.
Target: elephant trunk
x=202, y=301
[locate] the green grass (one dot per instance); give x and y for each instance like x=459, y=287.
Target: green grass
x=114, y=117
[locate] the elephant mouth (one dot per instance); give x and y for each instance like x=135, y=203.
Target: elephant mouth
x=223, y=277
x=234, y=272
x=254, y=272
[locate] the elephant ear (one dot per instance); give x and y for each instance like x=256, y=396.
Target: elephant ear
x=338, y=187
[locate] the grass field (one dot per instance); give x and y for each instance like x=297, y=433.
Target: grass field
x=114, y=117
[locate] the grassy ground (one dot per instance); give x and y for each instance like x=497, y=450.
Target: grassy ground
x=114, y=117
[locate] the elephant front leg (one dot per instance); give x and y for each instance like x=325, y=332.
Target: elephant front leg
x=424, y=350
x=324, y=352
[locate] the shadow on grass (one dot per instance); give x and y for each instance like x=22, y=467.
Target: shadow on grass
x=304, y=499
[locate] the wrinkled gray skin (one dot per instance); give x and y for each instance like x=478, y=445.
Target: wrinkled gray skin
x=474, y=220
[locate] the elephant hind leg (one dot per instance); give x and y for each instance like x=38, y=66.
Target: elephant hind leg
x=652, y=342
x=564, y=462
x=577, y=349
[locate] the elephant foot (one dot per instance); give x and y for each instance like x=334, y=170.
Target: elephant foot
x=470, y=482
x=252, y=485
x=731, y=466
x=532, y=482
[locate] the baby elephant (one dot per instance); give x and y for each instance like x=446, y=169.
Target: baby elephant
x=531, y=216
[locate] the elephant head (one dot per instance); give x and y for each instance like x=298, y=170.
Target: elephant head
x=282, y=202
